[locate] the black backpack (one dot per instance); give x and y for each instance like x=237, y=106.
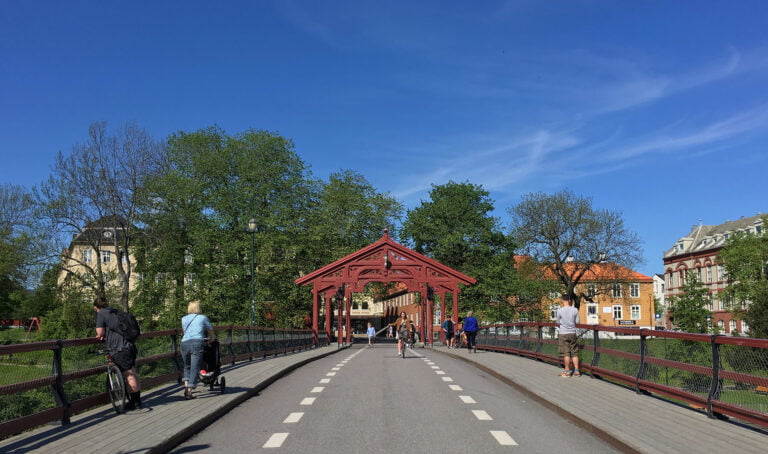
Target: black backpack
x=124, y=324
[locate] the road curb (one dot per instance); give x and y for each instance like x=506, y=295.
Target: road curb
x=579, y=421
x=188, y=431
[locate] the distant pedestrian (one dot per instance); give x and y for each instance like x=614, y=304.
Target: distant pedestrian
x=390, y=332
x=371, y=333
x=567, y=318
x=448, y=329
x=470, y=329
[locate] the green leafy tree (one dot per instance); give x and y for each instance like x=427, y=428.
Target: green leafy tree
x=198, y=245
x=745, y=261
x=455, y=227
x=568, y=235
x=688, y=311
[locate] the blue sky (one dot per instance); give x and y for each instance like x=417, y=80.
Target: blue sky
x=656, y=109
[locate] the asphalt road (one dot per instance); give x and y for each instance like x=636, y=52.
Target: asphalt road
x=369, y=400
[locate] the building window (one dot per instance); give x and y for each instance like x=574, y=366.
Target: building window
x=698, y=274
x=591, y=290
x=87, y=255
x=617, y=313
x=634, y=290
x=744, y=327
x=553, y=311
x=106, y=256
x=634, y=311
x=681, y=280
x=592, y=309
x=709, y=274
x=616, y=290
x=720, y=272
x=732, y=326
x=721, y=325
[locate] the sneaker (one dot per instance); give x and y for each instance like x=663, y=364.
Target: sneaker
x=565, y=373
x=130, y=406
x=576, y=373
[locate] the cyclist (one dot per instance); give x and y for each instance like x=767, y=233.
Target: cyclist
x=404, y=329
x=122, y=351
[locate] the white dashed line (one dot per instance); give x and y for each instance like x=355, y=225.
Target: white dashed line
x=430, y=363
x=325, y=380
x=317, y=389
x=456, y=388
x=435, y=367
x=308, y=401
x=276, y=440
x=340, y=365
x=503, y=438
x=467, y=399
x=335, y=368
x=440, y=372
x=293, y=417
x=330, y=374
x=447, y=379
x=482, y=415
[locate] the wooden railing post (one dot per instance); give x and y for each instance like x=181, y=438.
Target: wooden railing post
x=59, y=395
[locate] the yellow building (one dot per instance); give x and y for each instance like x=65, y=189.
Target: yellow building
x=91, y=260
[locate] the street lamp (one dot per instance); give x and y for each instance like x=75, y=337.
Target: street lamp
x=252, y=229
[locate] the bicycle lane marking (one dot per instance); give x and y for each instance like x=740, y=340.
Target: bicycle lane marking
x=501, y=436
x=277, y=439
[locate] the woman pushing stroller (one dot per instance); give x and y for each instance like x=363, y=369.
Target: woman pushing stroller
x=194, y=325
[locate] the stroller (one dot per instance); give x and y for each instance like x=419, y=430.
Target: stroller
x=210, y=369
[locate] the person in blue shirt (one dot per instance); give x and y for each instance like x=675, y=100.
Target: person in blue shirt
x=194, y=325
x=470, y=328
x=371, y=332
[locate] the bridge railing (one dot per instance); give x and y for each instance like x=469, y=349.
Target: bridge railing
x=722, y=375
x=50, y=381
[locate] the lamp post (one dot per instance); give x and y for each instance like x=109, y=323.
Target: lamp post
x=252, y=229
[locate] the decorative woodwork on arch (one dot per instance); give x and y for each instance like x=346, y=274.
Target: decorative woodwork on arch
x=383, y=261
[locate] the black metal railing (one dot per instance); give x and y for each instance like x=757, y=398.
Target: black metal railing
x=50, y=381
x=721, y=375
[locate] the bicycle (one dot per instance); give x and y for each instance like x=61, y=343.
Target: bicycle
x=115, y=384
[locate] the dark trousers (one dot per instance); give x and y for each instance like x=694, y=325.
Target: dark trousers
x=471, y=335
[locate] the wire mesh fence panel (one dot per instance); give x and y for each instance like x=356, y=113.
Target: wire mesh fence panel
x=747, y=388
x=615, y=361
x=25, y=366
x=13, y=406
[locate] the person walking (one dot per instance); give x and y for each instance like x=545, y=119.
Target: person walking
x=470, y=329
x=390, y=332
x=567, y=318
x=122, y=351
x=194, y=325
x=371, y=333
x=448, y=329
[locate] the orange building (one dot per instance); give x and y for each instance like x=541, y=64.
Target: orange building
x=613, y=295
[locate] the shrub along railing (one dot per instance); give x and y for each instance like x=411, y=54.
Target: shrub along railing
x=722, y=375
x=51, y=381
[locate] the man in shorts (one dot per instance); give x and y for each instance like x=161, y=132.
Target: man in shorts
x=122, y=351
x=567, y=317
x=448, y=328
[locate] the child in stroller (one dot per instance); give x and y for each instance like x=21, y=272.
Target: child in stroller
x=211, y=367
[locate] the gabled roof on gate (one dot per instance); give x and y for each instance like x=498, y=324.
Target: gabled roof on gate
x=385, y=241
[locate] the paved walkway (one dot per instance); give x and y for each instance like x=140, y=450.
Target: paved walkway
x=629, y=421
x=632, y=422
